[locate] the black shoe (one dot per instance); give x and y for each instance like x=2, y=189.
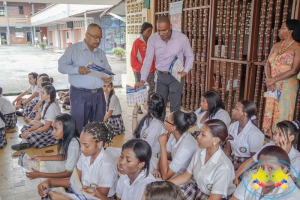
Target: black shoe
x=19, y=113
x=21, y=146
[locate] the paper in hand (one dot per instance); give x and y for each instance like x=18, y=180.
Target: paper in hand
x=176, y=66
x=136, y=96
x=98, y=71
x=24, y=161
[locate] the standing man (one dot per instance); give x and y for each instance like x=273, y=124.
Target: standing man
x=86, y=94
x=165, y=45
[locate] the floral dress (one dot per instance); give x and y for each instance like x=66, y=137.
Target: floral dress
x=283, y=109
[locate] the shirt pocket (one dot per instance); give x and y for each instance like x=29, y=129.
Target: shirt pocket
x=243, y=149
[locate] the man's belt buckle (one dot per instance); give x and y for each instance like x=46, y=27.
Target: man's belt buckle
x=94, y=91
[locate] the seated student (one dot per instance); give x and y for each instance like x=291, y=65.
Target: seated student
x=180, y=145
x=246, y=139
x=9, y=113
x=95, y=169
x=285, y=136
x=211, y=107
x=210, y=167
x=28, y=104
x=61, y=165
x=3, y=141
x=152, y=124
x=40, y=135
x=113, y=109
x=30, y=116
x=162, y=190
x=246, y=191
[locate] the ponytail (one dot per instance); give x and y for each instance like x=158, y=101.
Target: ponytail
x=250, y=108
x=182, y=121
x=112, y=92
x=51, y=91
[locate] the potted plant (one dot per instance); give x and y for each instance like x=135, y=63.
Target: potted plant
x=3, y=41
x=42, y=45
x=119, y=52
x=29, y=43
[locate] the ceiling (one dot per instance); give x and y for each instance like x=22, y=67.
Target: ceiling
x=91, y=2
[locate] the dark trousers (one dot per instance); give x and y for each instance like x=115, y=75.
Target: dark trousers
x=87, y=106
x=168, y=86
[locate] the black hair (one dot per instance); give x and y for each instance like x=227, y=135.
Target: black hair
x=70, y=131
x=45, y=83
x=51, y=80
x=142, y=151
x=289, y=127
x=34, y=75
x=1, y=90
x=51, y=91
x=156, y=109
x=250, y=109
x=182, y=121
x=145, y=26
x=214, y=102
x=163, y=190
x=101, y=131
x=294, y=25
x=43, y=74
x=45, y=78
x=93, y=25
x=217, y=128
x=277, y=152
x=163, y=19
x=112, y=92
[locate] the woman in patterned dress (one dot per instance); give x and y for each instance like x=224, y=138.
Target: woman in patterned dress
x=281, y=70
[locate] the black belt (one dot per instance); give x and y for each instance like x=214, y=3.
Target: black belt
x=88, y=90
x=166, y=73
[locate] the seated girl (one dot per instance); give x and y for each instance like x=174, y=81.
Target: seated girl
x=246, y=139
x=285, y=136
x=180, y=145
x=211, y=107
x=96, y=172
x=270, y=160
x=210, y=168
x=28, y=104
x=162, y=190
x=61, y=165
x=9, y=113
x=40, y=135
x=113, y=109
x=152, y=124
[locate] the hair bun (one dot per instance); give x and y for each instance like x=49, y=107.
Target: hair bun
x=191, y=118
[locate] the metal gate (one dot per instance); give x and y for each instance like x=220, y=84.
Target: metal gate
x=231, y=41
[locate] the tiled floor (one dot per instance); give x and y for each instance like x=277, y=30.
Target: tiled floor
x=14, y=184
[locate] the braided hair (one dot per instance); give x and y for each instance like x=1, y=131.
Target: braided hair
x=101, y=131
x=49, y=89
x=112, y=92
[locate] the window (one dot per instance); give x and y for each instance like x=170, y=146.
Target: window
x=21, y=11
x=2, y=11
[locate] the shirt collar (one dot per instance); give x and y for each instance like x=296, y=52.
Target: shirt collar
x=98, y=159
x=173, y=36
x=141, y=175
x=142, y=38
x=245, y=129
x=213, y=159
x=84, y=47
x=179, y=141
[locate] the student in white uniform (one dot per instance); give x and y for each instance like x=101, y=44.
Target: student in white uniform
x=162, y=190
x=181, y=145
x=28, y=104
x=246, y=139
x=9, y=113
x=211, y=107
x=151, y=125
x=270, y=191
x=285, y=136
x=3, y=141
x=211, y=169
x=61, y=165
x=95, y=169
x=113, y=109
x=40, y=135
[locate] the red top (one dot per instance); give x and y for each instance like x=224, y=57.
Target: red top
x=138, y=54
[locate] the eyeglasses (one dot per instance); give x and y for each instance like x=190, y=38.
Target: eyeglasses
x=96, y=37
x=168, y=122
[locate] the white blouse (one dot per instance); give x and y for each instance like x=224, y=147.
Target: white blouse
x=221, y=115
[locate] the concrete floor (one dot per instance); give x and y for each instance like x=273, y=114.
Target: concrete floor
x=18, y=61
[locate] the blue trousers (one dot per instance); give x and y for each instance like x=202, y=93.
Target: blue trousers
x=87, y=106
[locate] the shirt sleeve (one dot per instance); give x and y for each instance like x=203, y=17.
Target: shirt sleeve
x=179, y=159
x=73, y=154
x=119, y=189
x=65, y=62
x=30, y=89
x=107, y=176
x=149, y=58
x=50, y=113
x=256, y=141
x=221, y=181
x=240, y=192
x=224, y=116
x=80, y=162
x=188, y=53
x=113, y=102
x=154, y=133
x=135, y=63
x=192, y=163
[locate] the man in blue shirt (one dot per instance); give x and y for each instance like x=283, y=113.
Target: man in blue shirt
x=86, y=93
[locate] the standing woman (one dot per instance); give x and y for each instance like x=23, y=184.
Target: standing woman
x=281, y=70
x=138, y=54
